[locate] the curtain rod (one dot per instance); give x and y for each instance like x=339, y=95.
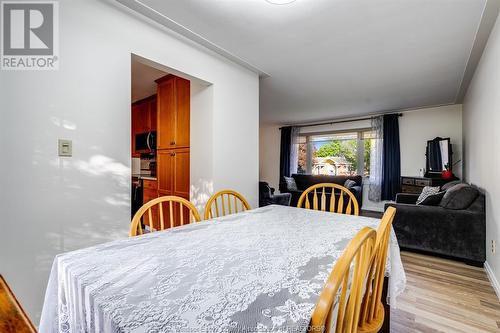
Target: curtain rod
x=336, y=122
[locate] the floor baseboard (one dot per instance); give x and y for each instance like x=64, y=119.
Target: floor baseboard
x=493, y=279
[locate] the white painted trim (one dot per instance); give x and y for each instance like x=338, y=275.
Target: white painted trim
x=493, y=279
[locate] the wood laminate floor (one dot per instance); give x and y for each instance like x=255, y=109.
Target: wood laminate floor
x=445, y=296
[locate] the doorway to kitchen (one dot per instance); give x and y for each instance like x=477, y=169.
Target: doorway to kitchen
x=170, y=118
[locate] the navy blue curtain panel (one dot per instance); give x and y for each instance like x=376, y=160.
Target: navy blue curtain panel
x=285, y=150
x=391, y=167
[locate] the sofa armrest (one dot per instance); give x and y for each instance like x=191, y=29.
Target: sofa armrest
x=282, y=199
x=456, y=233
x=355, y=189
x=407, y=198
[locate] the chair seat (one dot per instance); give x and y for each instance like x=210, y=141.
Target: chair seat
x=377, y=322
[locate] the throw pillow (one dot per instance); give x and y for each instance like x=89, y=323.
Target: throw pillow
x=349, y=183
x=433, y=199
x=459, y=196
x=449, y=185
x=290, y=184
x=428, y=190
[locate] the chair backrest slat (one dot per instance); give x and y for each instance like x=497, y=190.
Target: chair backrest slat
x=147, y=211
x=348, y=209
x=336, y=205
x=226, y=197
x=171, y=215
x=216, y=207
x=229, y=204
x=315, y=200
x=332, y=201
x=344, y=289
x=340, y=207
x=181, y=213
x=151, y=222
x=162, y=220
x=323, y=200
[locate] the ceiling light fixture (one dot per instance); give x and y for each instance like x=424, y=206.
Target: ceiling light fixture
x=280, y=2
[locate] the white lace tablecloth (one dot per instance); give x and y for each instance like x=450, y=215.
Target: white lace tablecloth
x=257, y=271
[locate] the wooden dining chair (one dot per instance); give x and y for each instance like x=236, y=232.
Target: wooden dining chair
x=13, y=319
x=225, y=202
x=372, y=310
x=179, y=211
x=339, y=304
x=329, y=189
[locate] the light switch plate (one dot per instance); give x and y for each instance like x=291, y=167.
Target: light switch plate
x=65, y=148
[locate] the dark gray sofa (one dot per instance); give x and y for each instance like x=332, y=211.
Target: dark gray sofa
x=456, y=233
x=305, y=181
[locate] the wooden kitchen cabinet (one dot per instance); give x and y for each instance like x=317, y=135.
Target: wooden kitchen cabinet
x=173, y=154
x=144, y=119
x=173, y=179
x=173, y=172
x=144, y=115
x=173, y=109
x=150, y=192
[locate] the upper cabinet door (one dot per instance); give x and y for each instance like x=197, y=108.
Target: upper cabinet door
x=173, y=112
x=144, y=115
x=183, y=110
x=166, y=114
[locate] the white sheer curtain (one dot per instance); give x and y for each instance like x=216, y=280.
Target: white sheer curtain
x=294, y=150
x=376, y=160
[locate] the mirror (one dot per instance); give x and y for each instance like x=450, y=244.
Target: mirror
x=438, y=155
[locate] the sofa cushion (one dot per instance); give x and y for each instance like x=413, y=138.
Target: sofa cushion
x=427, y=191
x=290, y=183
x=459, y=196
x=433, y=199
x=349, y=183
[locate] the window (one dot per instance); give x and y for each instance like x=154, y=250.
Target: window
x=337, y=153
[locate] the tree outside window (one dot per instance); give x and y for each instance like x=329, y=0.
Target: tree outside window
x=343, y=154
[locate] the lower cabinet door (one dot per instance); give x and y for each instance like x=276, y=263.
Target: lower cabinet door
x=165, y=172
x=181, y=173
x=148, y=195
x=173, y=179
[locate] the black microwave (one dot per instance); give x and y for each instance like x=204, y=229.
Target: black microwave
x=145, y=142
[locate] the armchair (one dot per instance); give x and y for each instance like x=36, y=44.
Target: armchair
x=267, y=196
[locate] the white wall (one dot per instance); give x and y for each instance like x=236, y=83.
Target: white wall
x=49, y=204
x=202, y=149
x=415, y=127
x=482, y=138
x=418, y=126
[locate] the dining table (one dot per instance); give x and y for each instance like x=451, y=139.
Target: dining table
x=260, y=270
